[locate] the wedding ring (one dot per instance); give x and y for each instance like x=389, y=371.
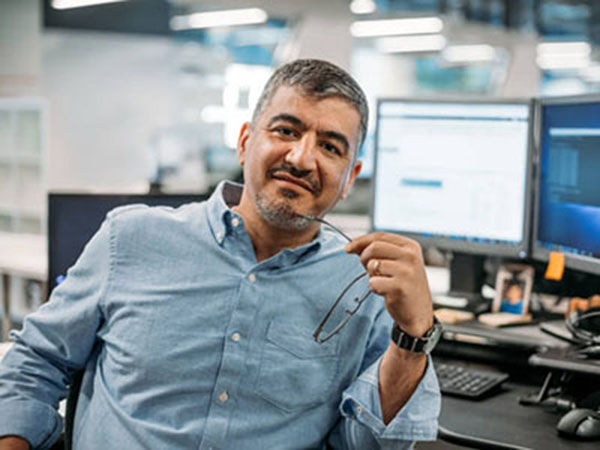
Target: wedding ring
x=376, y=267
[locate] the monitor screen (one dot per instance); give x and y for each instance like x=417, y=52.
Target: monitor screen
x=454, y=174
x=568, y=185
x=74, y=218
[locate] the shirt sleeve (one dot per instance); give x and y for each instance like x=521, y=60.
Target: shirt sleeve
x=54, y=342
x=362, y=425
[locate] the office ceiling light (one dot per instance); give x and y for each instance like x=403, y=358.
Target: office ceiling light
x=224, y=18
x=363, y=6
x=563, y=62
x=563, y=48
x=411, y=44
x=469, y=53
x=68, y=4
x=390, y=27
x=591, y=73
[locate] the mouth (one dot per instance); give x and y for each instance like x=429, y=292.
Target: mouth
x=283, y=176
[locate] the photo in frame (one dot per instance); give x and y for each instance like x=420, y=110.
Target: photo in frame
x=514, y=283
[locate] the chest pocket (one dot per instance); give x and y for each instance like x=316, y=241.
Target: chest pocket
x=295, y=371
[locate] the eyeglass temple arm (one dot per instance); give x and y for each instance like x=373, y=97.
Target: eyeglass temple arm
x=319, y=329
x=324, y=222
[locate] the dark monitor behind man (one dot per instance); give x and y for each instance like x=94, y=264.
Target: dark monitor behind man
x=194, y=325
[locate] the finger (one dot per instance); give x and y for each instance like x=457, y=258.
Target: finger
x=360, y=243
x=389, y=268
x=373, y=266
x=385, y=285
x=385, y=250
x=390, y=285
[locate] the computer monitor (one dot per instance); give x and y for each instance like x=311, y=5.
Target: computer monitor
x=455, y=174
x=74, y=218
x=567, y=206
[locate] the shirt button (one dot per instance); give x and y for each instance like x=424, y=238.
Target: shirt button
x=235, y=221
x=359, y=409
x=223, y=397
x=252, y=278
x=235, y=337
x=219, y=236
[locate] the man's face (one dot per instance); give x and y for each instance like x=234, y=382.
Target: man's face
x=297, y=157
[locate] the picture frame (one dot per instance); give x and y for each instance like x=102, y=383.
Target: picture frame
x=514, y=283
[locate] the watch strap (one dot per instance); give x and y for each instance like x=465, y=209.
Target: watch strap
x=413, y=344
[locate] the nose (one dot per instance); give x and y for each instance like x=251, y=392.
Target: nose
x=302, y=153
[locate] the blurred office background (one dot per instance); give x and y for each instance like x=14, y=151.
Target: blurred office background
x=115, y=96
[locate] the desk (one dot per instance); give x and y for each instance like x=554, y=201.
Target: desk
x=22, y=255
x=565, y=359
x=502, y=419
x=527, y=354
x=524, y=336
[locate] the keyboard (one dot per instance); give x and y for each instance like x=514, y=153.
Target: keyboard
x=466, y=382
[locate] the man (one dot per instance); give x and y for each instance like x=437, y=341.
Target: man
x=194, y=325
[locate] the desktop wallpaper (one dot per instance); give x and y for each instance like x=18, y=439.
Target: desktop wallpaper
x=569, y=211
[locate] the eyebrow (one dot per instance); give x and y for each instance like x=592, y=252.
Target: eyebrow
x=330, y=134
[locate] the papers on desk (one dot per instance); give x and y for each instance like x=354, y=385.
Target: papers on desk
x=439, y=282
x=500, y=319
x=452, y=316
x=450, y=301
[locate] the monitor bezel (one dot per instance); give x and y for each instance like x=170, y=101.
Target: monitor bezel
x=572, y=261
x=522, y=250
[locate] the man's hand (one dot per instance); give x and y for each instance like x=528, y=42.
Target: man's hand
x=397, y=272
x=13, y=443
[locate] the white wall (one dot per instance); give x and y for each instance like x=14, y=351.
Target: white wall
x=108, y=94
x=19, y=46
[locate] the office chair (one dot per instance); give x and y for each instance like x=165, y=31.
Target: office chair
x=72, y=397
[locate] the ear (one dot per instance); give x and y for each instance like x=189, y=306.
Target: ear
x=242, y=142
x=352, y=174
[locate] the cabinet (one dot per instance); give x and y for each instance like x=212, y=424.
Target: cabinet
x=22, y=165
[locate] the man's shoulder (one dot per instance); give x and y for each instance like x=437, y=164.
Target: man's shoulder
x=141, y=216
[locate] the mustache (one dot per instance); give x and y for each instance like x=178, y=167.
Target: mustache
x=304, y=175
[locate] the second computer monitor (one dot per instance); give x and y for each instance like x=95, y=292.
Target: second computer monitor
x=454, y=174
x=568, y=188
x=74, y=218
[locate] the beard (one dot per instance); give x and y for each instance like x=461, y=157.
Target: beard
x=280, y=213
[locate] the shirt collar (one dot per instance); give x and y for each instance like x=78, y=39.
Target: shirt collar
x=223, y=219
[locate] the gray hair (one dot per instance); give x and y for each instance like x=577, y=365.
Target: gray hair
x=319, y=79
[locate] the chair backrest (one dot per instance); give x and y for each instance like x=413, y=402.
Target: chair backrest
x=72, y=398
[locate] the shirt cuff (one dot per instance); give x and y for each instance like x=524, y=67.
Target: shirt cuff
x=416, y=421
x=31, y=421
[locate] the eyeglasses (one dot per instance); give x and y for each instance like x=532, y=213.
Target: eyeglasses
x=354, y=301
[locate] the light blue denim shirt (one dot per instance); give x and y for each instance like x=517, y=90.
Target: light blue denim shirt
x=189, y=343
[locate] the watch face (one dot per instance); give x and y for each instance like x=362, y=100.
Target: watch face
x=434, y=338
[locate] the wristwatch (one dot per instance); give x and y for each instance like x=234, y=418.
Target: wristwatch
x=413, y=344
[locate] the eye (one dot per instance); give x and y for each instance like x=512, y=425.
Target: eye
x=331, y=148
x=284, y=131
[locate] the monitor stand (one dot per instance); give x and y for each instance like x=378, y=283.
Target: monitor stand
x=467, y=276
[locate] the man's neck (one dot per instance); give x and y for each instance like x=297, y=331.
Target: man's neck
x=268, y=240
